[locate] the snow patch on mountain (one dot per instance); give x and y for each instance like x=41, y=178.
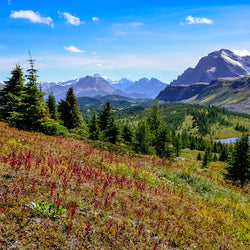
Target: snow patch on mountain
x=211, y=70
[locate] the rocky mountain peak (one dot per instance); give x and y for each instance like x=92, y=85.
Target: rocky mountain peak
x=222, y=63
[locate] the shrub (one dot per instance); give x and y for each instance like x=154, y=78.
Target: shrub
x=54, y=128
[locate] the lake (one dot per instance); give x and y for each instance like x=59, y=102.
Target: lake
x=230, y=140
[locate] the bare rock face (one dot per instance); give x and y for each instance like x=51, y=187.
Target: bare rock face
x=222, y=63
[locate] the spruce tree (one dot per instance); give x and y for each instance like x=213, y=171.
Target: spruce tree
x=10, y=96
x=33, y=106
x=94, y=130
x=105, y=115
x=127, y=134
x=199, y=156
x=51, y=103
x=205, y=159
x=112, y=131
x=143, y=139
x=154, y=117
x=238, y=168
x=223, y=154
x=68, y=109
x=163, y=140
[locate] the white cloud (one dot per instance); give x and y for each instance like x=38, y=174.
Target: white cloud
x=198, y=20
x=99, y=65
x=127, y=29
x=71, y=19
x=241, y=52
x=95, y=19
x=32, y=16
x=73, y=49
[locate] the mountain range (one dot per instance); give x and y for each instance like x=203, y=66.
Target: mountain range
x=222, y=63
x=86, y=86
x=95, y=85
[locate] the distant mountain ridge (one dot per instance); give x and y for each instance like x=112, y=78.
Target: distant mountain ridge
x=222, y=63
x=150, y=88
x=91, y=86
x=86, y=86
x=143, y=88
x=232, y=93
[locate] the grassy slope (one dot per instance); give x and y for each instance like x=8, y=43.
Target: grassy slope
x=113, y=201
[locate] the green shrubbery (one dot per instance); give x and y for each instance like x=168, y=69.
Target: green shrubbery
x=54, y=128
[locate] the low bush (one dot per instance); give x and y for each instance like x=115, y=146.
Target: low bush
x=54, y=128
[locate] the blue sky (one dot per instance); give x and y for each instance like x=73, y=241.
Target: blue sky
x=134, y=39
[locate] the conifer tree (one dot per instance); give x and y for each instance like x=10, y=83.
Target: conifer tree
x=127, y=133
x=33, y=106
x=238, y=168
x=154, y=117
x=163, y=140
x=199, y=156
x=68, y=109
x=205, y=159
x=143, y=139
x=94, y=130
x=223, y=154
x=51, y=103
x=105, y=115
x=10, y=96
x=112, y=131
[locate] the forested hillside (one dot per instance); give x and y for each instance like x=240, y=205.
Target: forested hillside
x=194, y=119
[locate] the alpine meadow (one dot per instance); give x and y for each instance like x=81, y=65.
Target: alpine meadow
x=159, y=159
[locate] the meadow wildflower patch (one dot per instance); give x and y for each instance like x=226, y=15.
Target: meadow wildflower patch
x=63, y=193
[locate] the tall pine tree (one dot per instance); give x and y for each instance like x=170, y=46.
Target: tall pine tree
x=163, y=141
x=105, y=115
x=112, y=131
x=68, y=109
x=51, y=103
x=143, y=139
x=10, y=96
x=33, y=106
x=238, y=168
x=94, y=130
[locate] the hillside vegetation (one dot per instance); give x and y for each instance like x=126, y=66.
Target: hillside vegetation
x=88, y=104
x=61, y=193
x=195, y=119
